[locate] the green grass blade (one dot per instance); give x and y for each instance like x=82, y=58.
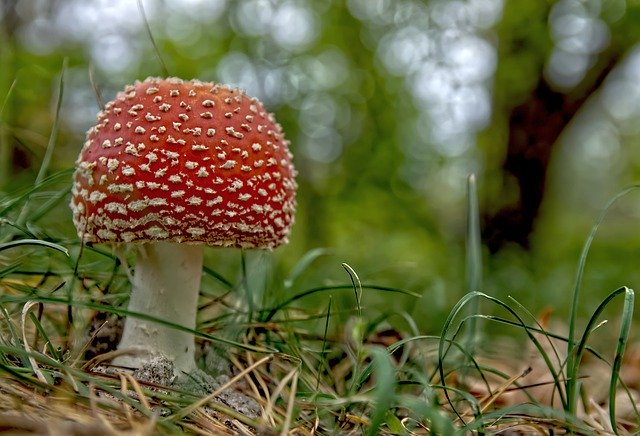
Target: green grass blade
x=571, y=356
x=42, y=332
x=557, y=379
x=223, y=281
x=8, y=204
x=357, y=287
x=144, y=316
x=53, y=136
x=322, y=361
x=473, y=259
x=623, y=338
x=5, y=145
x=46, y=207
x=165, y=70
x=271, y=312
x=572, y=371
x=385, y=386
x=303, y=264
x=13, y=244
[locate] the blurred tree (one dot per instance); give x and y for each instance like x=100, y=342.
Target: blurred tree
x=536, y=121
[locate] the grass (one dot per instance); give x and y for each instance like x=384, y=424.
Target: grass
x=309, y=373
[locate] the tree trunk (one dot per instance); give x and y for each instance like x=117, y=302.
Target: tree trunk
x=534, y=129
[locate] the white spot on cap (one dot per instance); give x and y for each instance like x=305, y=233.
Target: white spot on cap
x=120, y=187
x=152, y=90
x=228, y=164
x=191, y=164
x=156, y=232
x=235, y=185
x=206, y=115
x=196, y=231
x=160, y=201
x=232, y=132
x=164, y=107
x=97, y=196
x=131, y=149
x=244, y=197
x=177, y=194
x=128, y=171
x=138, y=205
x=112, y=164
x=194, y=201
x=208, y=103
x=140, y=130
x=116, y=207
x=171, y=154
x=211, y=132
x=106, y=234
x=215, y=201
x=127, y=236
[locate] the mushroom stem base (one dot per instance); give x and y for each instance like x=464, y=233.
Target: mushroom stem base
x=166, y=285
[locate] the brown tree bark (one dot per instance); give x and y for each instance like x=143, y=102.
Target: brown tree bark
x=534, y=128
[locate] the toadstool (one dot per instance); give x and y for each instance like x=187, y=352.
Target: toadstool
x=173, y=165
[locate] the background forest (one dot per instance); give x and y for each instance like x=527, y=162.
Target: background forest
x=389, y=105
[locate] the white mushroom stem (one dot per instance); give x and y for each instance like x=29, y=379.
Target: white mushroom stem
x=166, y=285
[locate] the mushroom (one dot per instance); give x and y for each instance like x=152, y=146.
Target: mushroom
x=172, y=165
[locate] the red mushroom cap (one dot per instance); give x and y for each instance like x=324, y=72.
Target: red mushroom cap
x=184, y=161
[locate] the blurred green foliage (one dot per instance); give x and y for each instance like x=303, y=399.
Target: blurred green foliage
x=369, y=93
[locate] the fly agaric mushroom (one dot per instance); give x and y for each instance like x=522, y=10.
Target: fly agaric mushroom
x=173, y=165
